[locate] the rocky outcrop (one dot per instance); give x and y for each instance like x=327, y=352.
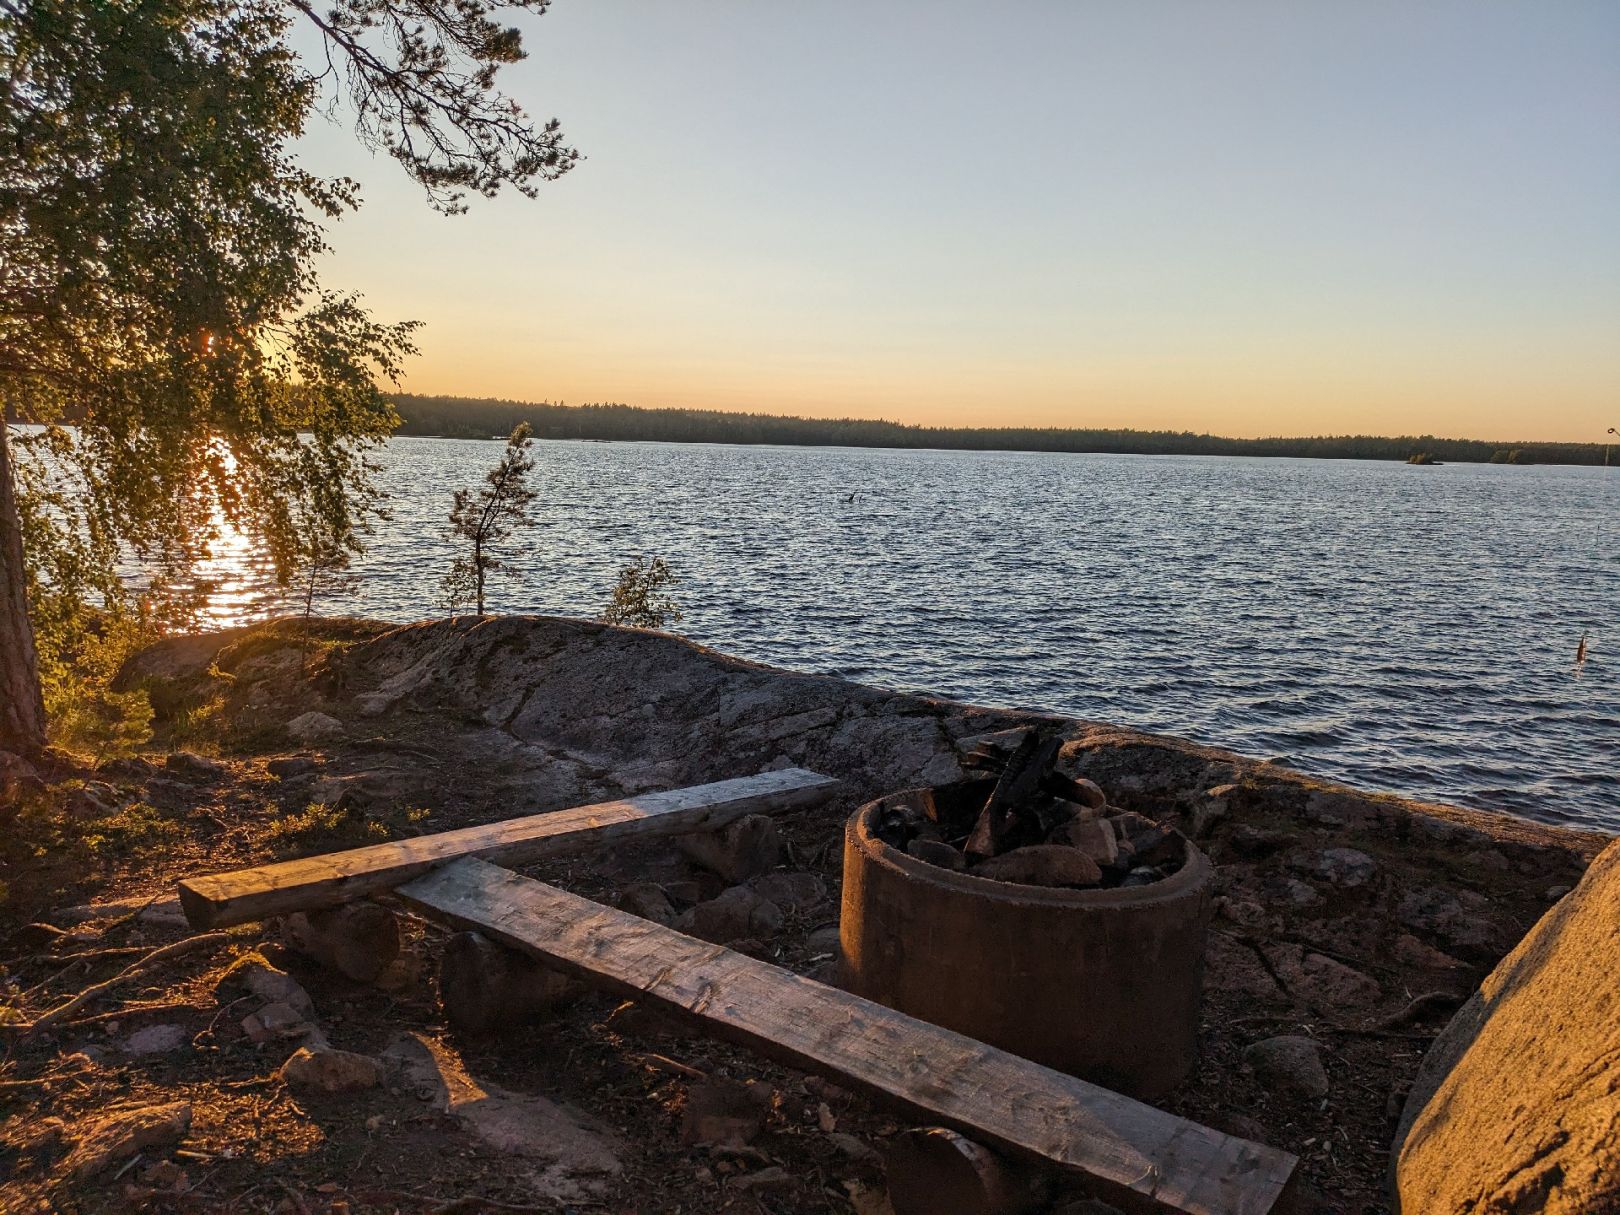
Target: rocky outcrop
x=577, y=704
x=1340, y=917
x=1517, y=1106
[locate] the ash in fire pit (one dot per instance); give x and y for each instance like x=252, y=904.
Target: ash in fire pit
x=1029, y=824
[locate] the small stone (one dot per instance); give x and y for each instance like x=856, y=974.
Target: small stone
x=120, y=1136
x=1162, y=847
x=252, y=974
x=1412, y=952
x=684, y=893
x=127, y=768
x=937, y=853
x=1211, y=809
x=1457, y=919
x=649, y=901
x=1087, y=793
x=42, y=1140
x=275, y=1021
x=774, y=1177
x=166, y=1175
x=313, y=727
x=330, y=1072
x=1346, y=868
x=790, y=891
x=190, y=766
x=735, y=914
x=749, y=847
x=1291, y=1063
x=156, y=1040
x=855, y=1148
x=640, y=1021
x=823, y=940
x=1254, y=843
x=1246, y=912
x=1554, y=893
x=284, y=767
x=724, y=1113
x=1321, y=981
x=1094, y=837
x=87, y=805
x=358, y=939
x=1299, y=894
x=1042, y=865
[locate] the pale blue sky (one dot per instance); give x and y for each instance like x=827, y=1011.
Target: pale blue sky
x=1245, y=218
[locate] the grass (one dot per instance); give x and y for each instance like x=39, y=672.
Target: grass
x=319, y=823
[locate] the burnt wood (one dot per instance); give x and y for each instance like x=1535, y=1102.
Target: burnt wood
x=1020, y=783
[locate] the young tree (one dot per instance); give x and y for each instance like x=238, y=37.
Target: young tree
x=158, y=293
x=481, y=521
x=638, y=597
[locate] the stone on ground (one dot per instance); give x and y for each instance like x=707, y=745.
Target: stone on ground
x=1042, y=865
x=722, y=1112
x=1517, y=1105
x=315, y=727
x=252, y=974
x=1291, y=1063
x=329, y=1072
x=156, y=1040
x=733, y=915
x=790, y=891
x=117, y=1137
x=749, y=847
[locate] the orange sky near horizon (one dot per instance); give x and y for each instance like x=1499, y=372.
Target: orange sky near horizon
x=1248, y=219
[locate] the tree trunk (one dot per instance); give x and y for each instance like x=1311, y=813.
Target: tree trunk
x=22, y=711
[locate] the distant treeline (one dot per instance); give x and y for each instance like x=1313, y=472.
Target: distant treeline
x=464, y=417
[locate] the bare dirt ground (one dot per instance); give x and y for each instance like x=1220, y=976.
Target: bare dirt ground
x=1353, y=921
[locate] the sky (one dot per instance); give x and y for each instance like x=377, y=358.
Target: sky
x=1300, y=217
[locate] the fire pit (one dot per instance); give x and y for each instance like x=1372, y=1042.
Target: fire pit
x=994, y=908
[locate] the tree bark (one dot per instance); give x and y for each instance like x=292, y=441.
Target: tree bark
x=22, y=709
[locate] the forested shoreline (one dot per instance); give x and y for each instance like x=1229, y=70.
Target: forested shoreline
x=468, y=417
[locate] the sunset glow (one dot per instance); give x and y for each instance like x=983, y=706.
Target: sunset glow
x=1247, y=219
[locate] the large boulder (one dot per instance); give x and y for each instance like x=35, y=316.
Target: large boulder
x=1517, y=1106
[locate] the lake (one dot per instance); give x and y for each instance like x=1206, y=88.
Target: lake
x=1395, y=627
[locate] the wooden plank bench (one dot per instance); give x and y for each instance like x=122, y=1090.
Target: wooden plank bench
x=223, y=899
x=935, y=1074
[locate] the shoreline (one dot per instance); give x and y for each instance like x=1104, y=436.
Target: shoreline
x=1356, y=920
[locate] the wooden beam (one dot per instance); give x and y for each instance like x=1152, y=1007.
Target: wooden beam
x=223, y=899
x=935, y=1075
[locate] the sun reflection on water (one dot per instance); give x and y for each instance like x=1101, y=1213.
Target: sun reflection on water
x=237, y=580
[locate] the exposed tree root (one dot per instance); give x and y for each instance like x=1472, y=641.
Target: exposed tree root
x=68, y=1007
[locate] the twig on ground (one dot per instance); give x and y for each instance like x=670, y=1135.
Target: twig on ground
x=42, y=1081
x=66, y=1009
x=135, y=1010
x=1418, y=1006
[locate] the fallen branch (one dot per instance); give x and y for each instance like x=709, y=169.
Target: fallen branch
x=136, y=1010
x=66, y=1009
x=1418, y=1006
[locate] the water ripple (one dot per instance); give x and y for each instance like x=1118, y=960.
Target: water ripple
x=1401, y=628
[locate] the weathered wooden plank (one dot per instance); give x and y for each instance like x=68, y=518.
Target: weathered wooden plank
x=938, y=1076
x=321, y=881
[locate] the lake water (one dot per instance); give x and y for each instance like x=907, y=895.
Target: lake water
x=1395, y=627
